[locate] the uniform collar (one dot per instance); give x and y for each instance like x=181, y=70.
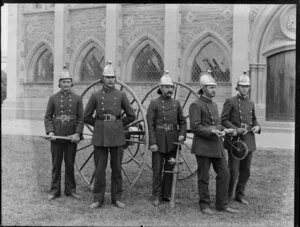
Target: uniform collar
x=108, y=89
x=242, y=97
x=205, y=98
x=165, y=98
x=65, y=92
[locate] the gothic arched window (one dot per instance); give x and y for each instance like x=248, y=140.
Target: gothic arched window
x=92, y=65
x=43, y=69
x=148, y=65
x=211, y=57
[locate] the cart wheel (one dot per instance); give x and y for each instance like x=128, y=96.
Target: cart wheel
x=186, y=95
x=135, y=149
x=239, y=149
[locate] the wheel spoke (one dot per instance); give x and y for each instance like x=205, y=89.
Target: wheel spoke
x=185, y=101
x=92, y=179
x=133, y=123
x=186, y=162
x=126, y=175
x=175, y=91
x=86, y=161
x=131, y=156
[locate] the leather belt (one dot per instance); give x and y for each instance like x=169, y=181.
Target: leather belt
x=108, y=117
x=65, y=117
x=167, y=127
x=245, y=126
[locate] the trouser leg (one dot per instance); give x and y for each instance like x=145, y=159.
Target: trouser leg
x=168, y=177
x=157, y=166
x=244, y=176
x=70, y=153
x=203, y=181
x=233, y=165
x=222, y=182
x=57, y=157
x=116, y=156
x=100, y=159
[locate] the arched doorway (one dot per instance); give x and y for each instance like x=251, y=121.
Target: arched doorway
x=281, y=74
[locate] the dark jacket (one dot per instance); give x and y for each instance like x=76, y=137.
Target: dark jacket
x=204, y=117
x=237, y=110
x=63, y=103
x=163, y=111
x=108, y=101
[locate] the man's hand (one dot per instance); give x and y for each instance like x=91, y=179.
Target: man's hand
x=180, y=138
x=230, y=131
x=154, y=148
x=218, y=133
x=241, y=131
x=255, y=129
x=75, y=138
x=51, y=134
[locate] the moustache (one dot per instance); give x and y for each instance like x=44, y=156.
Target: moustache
x=170, y=92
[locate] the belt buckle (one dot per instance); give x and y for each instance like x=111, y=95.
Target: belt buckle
x=107, y=117
x=63, y=117
x=244, y=126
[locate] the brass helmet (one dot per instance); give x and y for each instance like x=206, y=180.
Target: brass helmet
x=109, y=69
x=64, y=74
x=206, y=79
x=166, y=79
x=243, y=80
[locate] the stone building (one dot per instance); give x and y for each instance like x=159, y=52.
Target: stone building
x=143, y=40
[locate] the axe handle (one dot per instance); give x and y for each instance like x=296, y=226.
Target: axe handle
x=57, y=137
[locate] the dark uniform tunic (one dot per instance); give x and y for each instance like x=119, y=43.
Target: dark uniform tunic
x=208, y=148
x=165, y=123
x=63, y=103
x=237, y=111
x=108, y=136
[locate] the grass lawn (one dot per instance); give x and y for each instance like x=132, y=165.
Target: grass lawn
x=26, y=176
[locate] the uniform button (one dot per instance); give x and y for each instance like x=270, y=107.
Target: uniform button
x=61, y=100
x=102, y=97
x=213, y=123
x=70, y=105
x=61, y=105
x=240, y=111
x=69, y=110
x=115, y=98
x=101, y=102
x=241, y=117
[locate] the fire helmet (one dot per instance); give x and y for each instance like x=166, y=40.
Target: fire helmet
x=206, y=79
x=166, y=79
x=244, y=79
x=109, y=69
x=64, y=74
